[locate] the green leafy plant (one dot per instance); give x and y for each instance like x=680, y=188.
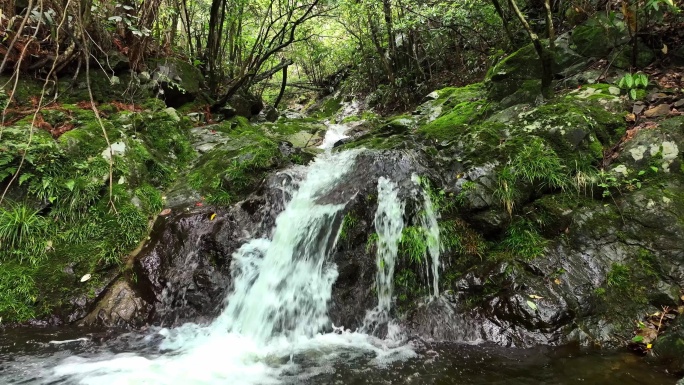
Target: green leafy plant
x=631, y=82
x=524, y=241
x=21, y=229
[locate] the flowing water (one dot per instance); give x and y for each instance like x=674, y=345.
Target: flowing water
x=275, y=328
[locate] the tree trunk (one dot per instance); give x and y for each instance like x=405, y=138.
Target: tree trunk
x=282, y=88
x=389, y=27
x=499, y=11
x=544, y=55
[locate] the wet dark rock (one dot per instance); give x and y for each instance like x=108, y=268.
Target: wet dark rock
x=572, y=286
x=353, y=292
x=179, y=81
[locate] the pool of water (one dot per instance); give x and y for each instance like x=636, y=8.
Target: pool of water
x=30, y=356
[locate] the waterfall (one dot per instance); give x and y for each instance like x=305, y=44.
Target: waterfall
x=389, y=223
x=427, y=220
x=283, y=286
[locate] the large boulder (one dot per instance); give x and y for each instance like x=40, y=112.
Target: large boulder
x=179, y=82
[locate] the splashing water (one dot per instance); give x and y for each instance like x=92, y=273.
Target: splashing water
x=389, y=223
x=427, y=218
x=278, y=307
x=335, y=133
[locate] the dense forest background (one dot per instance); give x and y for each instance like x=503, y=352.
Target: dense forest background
x=399, y=50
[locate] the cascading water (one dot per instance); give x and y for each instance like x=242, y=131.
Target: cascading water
x=288, y=289
x=278, y=307
x=389, y=223
x=427, y=219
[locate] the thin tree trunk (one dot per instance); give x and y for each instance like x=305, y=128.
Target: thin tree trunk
x=549, y=24
x=282, y=88
x=499, y=11
x=544, y=55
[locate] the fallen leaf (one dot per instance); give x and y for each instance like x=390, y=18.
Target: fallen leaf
x=165, y=212
x=649, y=346
x=86, y=277
x=211, y=218
x=664, y=49
x=630, y=118
x=659, y=110
x=532, y=305
x=557, y=281
x=534, y=296
x=199, y=204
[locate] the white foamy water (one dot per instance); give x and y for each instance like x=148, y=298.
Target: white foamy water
x=277, y=312
x=427, y=219
x=389, y=223
x=335, y=133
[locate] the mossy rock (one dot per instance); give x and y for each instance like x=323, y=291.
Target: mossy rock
x=577, y=129
x=508, y=75
x=441, y=101
x=622, y=57
x=89, y=226
x=658, y=148
x=325, y=108
x=466, y=105
x=181, y=81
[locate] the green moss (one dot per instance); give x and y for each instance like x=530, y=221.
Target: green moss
x=166, y=139
x=572, y=126
x=79, y=229
x=225, y=174
x=326, y=109
x=451, y=125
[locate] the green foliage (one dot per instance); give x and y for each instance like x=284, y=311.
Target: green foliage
x=17, y=292
x=350, y=221
x=524, y=241
x=150, y=198
x=372, y=242
x=457, y=237
x=22, y=230
x=631, y=82
x=619, y=276
x=535, y=164
x=415, y=243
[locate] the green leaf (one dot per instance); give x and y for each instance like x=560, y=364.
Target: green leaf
x=532, y=305
x=641, y=80
x=24, y=177
x=654, y=168
x=629, y=80
x=70, y=184
x=633, y=94
x=642, y=172
x=638, y=339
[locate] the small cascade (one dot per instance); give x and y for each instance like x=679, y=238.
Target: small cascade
x=276, y=315
x=427, y=219
x=283, y=286
x=389, y=223
x=335, y=133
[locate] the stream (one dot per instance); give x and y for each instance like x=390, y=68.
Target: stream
x=275, y=330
